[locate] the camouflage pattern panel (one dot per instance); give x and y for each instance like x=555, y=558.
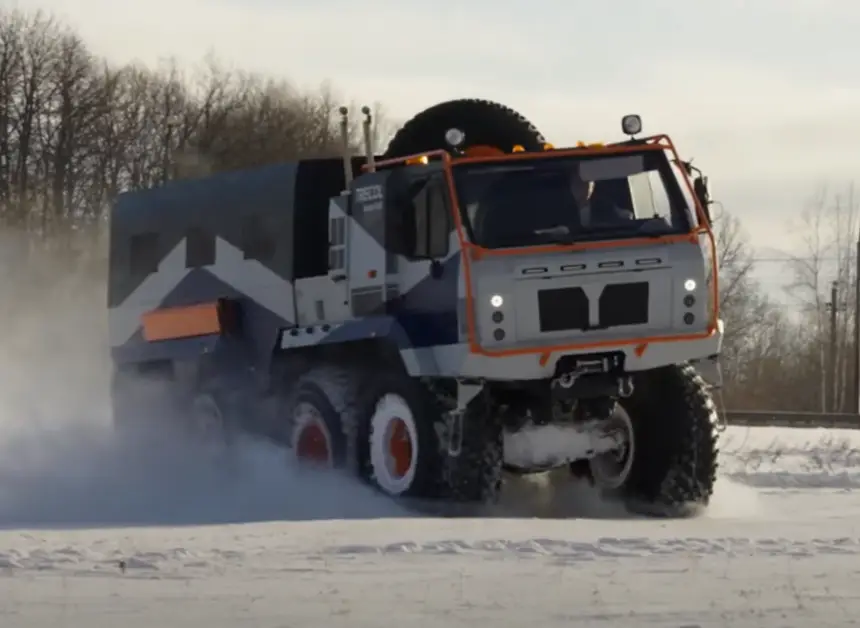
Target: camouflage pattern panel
x=190, y=242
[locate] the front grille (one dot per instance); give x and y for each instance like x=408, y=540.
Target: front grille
x=624, y=304
x=562, y=309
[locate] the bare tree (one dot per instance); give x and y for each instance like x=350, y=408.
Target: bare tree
x=828, y=226
x=75, y=132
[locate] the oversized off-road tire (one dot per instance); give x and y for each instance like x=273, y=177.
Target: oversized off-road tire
x=475, y=475
x=674, y=454
x=403, y=444
x=212, y=421
x=399, y=449
x=149, y=409
x=142, y=403
x=483, y=122
x=317, y=414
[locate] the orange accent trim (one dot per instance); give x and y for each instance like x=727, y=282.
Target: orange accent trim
x=657, y=142
x=406, y=159
x=472, y=252
x=640, y=349
x=483, y=151
x=182, y=322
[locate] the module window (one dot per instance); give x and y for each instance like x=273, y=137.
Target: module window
x=257, y=242
x=143, y=254
x=199, y=248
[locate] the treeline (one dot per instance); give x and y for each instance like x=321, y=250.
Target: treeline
x=75, y=131
x=786, y=353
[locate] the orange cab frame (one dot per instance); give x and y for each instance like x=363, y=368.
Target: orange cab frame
x=473, y=252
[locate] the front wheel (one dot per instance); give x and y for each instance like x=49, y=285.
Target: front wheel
x=670, y=465
x=611, y=470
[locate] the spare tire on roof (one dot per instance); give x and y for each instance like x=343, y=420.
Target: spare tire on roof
x=489, y=128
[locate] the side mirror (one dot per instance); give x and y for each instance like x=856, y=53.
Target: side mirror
x=702, y=190
x=701, y=187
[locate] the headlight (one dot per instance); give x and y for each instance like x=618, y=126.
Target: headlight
x=690, y=285
x=496, y=300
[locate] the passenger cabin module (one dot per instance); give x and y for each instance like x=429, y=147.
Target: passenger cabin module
x=474, y=300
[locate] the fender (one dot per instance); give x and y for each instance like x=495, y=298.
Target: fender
x=381, y=328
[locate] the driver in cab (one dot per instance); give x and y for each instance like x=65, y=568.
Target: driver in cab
x=595, y=212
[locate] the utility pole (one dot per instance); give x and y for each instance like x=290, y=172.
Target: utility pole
x=834, y=308
x=855, y=388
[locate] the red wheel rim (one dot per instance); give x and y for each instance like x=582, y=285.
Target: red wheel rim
x=312, y=444
x=400, y=448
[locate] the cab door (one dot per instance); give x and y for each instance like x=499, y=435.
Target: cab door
x=427, y=266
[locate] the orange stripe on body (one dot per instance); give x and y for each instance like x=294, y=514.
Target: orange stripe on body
x=182, y=322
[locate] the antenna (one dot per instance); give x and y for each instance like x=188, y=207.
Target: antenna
x=347, y=157
x=368, y=143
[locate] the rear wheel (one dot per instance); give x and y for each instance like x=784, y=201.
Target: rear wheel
x=317, y=427
x=211, y=424
x=404, y=435
x=143, y=403
x=398, y=445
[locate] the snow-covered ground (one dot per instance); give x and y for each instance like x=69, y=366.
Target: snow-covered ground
x=99, y=533
x=103, y=533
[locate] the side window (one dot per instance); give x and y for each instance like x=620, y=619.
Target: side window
x=432, y=220
x=199, y=248
x=143, y=254
x=257, y=242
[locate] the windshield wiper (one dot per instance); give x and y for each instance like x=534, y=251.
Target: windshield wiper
x=649, y=228
x=560, y=234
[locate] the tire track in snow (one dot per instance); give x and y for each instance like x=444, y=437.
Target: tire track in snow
x=566, y=551
x=95, y=559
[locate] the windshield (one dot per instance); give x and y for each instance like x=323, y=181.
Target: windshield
x=569, y=199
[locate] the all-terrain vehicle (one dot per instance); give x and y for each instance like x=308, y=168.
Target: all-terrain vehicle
x=472, y=301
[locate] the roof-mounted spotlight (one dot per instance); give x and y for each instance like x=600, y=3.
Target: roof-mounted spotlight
x=631, y=124
x=455, y=137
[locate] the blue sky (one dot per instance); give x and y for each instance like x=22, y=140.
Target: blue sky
x=765, y=94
